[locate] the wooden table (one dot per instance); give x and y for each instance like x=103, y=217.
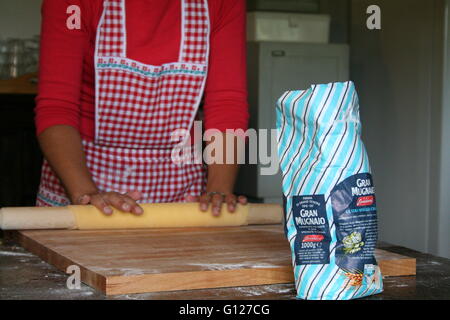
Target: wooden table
x=156, y=260
x=33, y=279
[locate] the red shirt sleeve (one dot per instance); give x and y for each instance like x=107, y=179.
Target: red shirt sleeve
x=60, y=69
x=226, y=104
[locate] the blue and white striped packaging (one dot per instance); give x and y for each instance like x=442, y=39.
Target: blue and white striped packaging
x=329, y=200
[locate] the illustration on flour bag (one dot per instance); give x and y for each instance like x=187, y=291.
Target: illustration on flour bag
x=329, y=197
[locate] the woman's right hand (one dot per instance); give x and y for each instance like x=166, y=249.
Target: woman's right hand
x=63, y=148
x=105, y=201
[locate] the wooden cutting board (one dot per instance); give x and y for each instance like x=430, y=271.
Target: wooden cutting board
x=135, y=261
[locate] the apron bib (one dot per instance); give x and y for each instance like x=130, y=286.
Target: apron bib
x=137, y=108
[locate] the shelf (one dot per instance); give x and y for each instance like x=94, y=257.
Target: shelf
x=26, y=84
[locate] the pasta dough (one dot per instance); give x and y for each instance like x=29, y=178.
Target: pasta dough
x=158, y=215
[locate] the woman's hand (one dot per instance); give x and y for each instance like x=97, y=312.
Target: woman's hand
x=217, y=199
x=221, y=176
x=105, y=201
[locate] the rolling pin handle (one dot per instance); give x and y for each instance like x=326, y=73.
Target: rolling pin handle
x=23, y=218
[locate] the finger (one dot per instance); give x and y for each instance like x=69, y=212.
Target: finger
x=135, y=195
x=191, y=198
x=242, y=200
x=216, y=202
x=124, y=203
x=135, y=208
x=204, y=202
x=84, y=200
x=131, y=197
x=118, y=201
x=101, y=204
x=231, y=202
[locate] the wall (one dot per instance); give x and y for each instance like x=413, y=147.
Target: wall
x=339, y=25
x=398, y=74
x=20, y=18
x=442, y=232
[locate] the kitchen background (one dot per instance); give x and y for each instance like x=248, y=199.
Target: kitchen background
x=401, y=73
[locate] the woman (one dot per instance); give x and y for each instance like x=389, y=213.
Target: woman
x=114, y=89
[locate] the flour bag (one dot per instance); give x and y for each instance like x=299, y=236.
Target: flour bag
x=329, y=199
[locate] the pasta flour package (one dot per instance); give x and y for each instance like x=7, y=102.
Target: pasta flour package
x=329, y=199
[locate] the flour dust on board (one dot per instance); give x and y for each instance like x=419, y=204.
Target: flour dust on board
x=329, y=197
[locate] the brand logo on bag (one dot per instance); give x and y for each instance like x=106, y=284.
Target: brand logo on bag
x=313, y=238
x=364, y=201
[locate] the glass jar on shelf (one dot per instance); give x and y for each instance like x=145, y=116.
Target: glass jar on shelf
x=19, y=57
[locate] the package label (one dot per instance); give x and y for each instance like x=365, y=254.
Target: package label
x=355, y=217
x=312, y=243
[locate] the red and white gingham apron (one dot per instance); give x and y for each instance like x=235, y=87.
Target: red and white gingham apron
x=138, y=107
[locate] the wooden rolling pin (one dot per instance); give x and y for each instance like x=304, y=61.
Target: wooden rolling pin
x=156, y=215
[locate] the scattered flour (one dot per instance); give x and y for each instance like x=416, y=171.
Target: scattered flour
x=15, y=254
x=220, y=266
x=122, y=271
x=261, y=290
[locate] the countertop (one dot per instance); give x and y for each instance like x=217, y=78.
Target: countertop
x=25, y=84
x=25, y=276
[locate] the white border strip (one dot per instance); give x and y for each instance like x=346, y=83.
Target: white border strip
x=182, y=27
x=199, y=98
x=97, y=40
x=124, y=29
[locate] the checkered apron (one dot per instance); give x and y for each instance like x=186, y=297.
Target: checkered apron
x=138, y=108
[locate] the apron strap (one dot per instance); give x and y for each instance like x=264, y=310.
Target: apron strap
x=195, y=32
x=111, y=34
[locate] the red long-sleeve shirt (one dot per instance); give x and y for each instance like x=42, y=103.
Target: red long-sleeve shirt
x=66, y=74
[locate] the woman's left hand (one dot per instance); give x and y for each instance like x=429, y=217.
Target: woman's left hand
x=221, y=176
x=216, y=200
